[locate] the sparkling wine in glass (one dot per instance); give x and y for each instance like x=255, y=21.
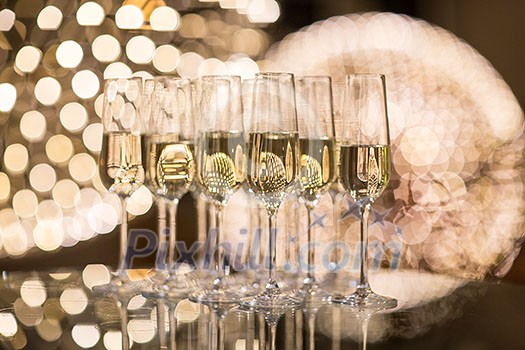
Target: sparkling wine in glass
x=317, y=155
x=273, y=166
x=365, y=169
x=121, y=162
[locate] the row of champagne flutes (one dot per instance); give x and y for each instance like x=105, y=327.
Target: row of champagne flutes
x=275, y=135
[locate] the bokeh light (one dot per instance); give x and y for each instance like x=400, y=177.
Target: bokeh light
x=65, y=193
x=8, y=324
x=8, y=93
x=25, y=203
x=166, y=58
x=50, y=18
x=28, y=58
x=129, y=17
x=47, y=91
x=16, y=158
x=140, y=49
x=5, y=187
x=164, y=18
x=106, y=48
x=85, y=335
x=85, y=84
x=74, y=301
x=33, y=126
x=7, y=20
x=69, y=54
x=33, y=292
x=73, y=117
x=82, y=168
x=92, y=137
x=90, y=14
x=59, y=149
x=95, y=275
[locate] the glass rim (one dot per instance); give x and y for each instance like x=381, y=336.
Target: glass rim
x=314, y=77
x=274, y=74
x=219, y=76
x=366, y=75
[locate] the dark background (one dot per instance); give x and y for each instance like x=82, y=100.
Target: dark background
x=494, y=28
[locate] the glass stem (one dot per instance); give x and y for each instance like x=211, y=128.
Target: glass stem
x=364, y=211
x=173, y=328
x=221, y=265
x=273, y=335
x=161, y=324
x=173, y=233
x=272, y=248
x=311, y=331
x=124, y=324
x=364, y=333
x=160, y=263
x=122, y=263
x=310, y=274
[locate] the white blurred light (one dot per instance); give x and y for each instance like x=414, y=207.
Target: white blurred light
x=106, y=48
x=85, y=335
x=92, y=137
x=65, y=193
x=33, y=126
x=99, y=105
x=166, y=58
x=140, y=201
x=49, y=330
x=5, y=187
x=74, y=301
x=42, y=177
x=95, y=275
x=33, y=292
x=48, y=235
x=25, y=203
x=85, y=84
x=87, y=198
x=140, y=49
x=143, y=75
x=69, y=54
x=8, y=324
x=212, y=66
x=164, y=18
x=141, y=331
x=82, y=167
x=186, y=311
x=50, y=18
x=7, y=20
x=113, y=340
x=15, y=239
x=263, y=11
x=60, y=276
x=90, y=14
x=136, y=302
x=189, y=65
x=129, y=17
x=16, y=158
x=8, y=93
x=244, y=67
x=59, y=148
x=73, y=117
x=117, y=70
x=28, y=58
x=48, y=211
x=234, y=4
x=47, y=91
x=103, y=218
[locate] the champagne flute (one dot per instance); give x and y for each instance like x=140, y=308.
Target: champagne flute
x=365, y=169
x=272, y=173
x=221, y=170
x=170, y=166
x=121, y=162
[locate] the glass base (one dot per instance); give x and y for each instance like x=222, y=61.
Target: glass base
x=172, y=287
x=121, y=287
x=274, y=303
x=366, y=299
x=314, y=298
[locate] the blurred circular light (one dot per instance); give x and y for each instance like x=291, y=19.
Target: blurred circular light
x=85, y=335
x=49, y=330
x=47, y=91
x=136, y=302
x=142, y=74
x=60, y=276
x=59, y=149
x=15, y=239
x=48, y=235
x=87, y=198
x=166, y=58
x=27, y=315
x=8, y=324
x=82, y=168
x=65, y=193
x=90, y=14
x=33, y=126
x=106, y=48
x=186, y=311
x=8, y=93
x=140, y=201
x=244, y=67
x=103, y=218
x=73, y=117
x=92, y=137
x=48, y=210
x=25, y=203
x=69, y=54
x=117, y=70
x=129, y=17
x=74, y=301
x=50, y=18
x=113, y=340
x=263, y=11
x=42, y=177
x=140, y=49
x=28, y=58
x=164, y=18
x=141, y=330
x=95, y=275
x=5, y=187
x=16, y=158
x=193, y=26
x=85, y=84
x=212, y=66
x=7, y=20
x=99, y=105
x=33, y=292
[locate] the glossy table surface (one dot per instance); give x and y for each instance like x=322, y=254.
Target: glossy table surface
x=40, y=310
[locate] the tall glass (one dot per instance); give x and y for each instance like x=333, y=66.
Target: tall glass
x=273, y=166
x=121, y=161
x=170, y=166
x=317, y=159
x=365, y=169
x=221, y=170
